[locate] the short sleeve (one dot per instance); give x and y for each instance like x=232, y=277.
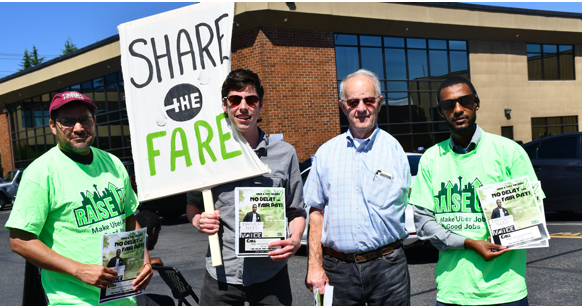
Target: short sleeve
x=31, y=208
x=294, y=190
x=421, y=192
x=313, y=189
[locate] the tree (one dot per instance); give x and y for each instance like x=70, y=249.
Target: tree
x=69, y=46
x=35, y=59
x=26, y=60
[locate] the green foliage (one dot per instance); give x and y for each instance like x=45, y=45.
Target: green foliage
x=26, y=60
x=35, y=59
x=69, y=47
x=30, y=59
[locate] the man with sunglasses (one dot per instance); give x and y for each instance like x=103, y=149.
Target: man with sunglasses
x=471, y=270
x=68, y=198
x=257, y=280
x=357, y=190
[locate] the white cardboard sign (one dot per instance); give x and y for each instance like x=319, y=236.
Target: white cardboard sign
x=174, y=65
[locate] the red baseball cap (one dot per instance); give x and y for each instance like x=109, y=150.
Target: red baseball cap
x=63, y=98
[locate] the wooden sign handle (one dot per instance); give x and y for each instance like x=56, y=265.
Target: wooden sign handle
x=212, y=239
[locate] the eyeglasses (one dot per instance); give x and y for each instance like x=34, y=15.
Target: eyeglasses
x=369, y=101
x=236, y=100
x=69, y=123
x=465, y=101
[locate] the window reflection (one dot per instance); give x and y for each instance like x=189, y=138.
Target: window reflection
x=417, y=64
x=549, y=126
x=347, y=61
x=550, y=62
x=370, y=59
x=395, y=61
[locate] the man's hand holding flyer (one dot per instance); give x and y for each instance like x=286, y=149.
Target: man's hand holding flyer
x=261, y=219
x=125, y=253
x=514, y=213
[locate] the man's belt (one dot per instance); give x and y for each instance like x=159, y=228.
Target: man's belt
x=364, y=256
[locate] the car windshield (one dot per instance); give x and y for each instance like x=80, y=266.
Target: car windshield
x=413, y=161
x=9, y=177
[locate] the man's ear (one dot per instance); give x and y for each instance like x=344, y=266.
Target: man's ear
x=53, y=126
x=380, y=99
x=224, y=107
x=343, y=107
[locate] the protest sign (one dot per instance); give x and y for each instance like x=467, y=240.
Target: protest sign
x=260, y=220
x=174, y=65
x=513, y=214
x=125, y=253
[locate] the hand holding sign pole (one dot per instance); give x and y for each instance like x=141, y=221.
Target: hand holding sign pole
x=174, y=65
x=213, y=241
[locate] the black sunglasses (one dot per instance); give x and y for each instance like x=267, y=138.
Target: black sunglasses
x=69, y=123
x=465, y=101
x=236, y=100
x=369, y=101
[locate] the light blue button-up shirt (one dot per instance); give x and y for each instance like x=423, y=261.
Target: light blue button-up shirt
x=363, y=191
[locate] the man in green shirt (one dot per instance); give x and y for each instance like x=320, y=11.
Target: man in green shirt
x=67, y=199
x=471, y=270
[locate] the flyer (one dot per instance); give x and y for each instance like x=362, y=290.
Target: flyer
x=513, y=214
x=323, y=299
x=125, y=253
x=260, y=220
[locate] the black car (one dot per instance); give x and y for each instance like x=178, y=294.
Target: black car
x=557, y=161
x=9, y=187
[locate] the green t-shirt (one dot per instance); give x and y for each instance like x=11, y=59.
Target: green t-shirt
x=69, y=206
x=446, y=184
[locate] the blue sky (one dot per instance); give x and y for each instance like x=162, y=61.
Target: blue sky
x=48, y=25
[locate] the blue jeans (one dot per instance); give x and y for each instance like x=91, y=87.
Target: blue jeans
x=522, y=302
x=381, y=281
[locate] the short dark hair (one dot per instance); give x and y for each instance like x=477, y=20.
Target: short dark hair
x=241, y=78
x=148, y=219
x=55, y=112
x=454, y=80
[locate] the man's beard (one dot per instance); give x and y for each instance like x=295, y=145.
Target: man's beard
x=463, y=131
x=78, y=148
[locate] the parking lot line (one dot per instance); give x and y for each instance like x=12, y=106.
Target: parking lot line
x=566, y=235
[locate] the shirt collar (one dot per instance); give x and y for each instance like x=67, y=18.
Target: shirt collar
x=261, y=148
x=367, y=144
x=472, y=145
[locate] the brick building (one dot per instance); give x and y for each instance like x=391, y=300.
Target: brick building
x=525, y=65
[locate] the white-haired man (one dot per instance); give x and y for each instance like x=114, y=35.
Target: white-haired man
x=357, y=190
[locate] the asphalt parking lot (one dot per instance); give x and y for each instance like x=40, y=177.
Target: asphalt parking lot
x=554, y=274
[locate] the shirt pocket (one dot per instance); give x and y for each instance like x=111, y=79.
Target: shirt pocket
x=378, y=190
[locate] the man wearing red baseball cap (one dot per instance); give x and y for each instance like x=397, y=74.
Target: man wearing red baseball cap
x=68, y=198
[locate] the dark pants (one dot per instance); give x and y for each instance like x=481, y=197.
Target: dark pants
x=381, y=281
x=154, y=300
x=522, y=302
x=275, y=291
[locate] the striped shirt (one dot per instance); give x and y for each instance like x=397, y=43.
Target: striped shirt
x=363, y=191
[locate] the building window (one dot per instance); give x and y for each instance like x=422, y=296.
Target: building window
x=410, y=71
x=507, y=131
x=550, y=62
x=32, y=136
x=548, y=126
